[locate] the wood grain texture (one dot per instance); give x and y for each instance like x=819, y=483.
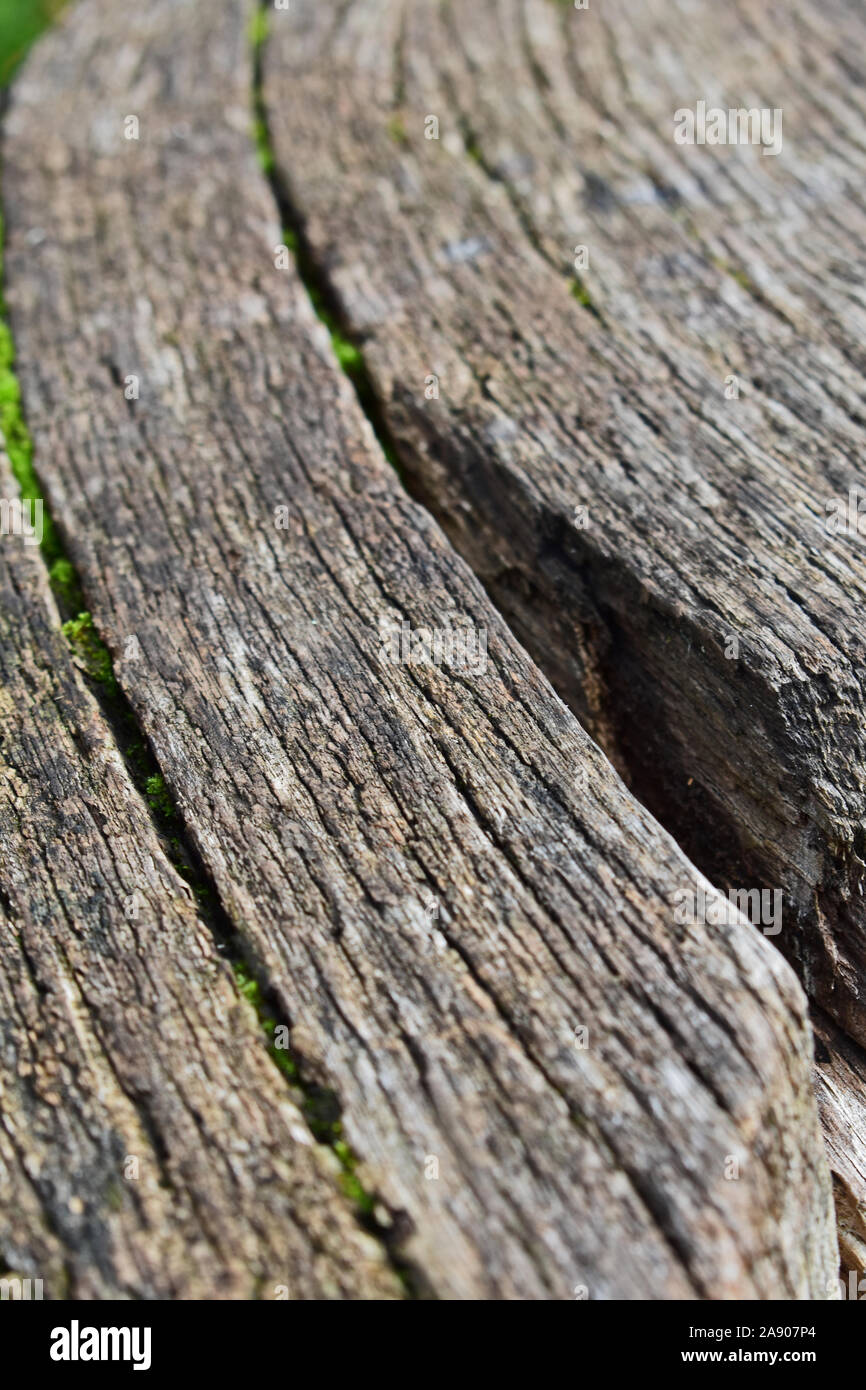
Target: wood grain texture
x=439, y=873
x=840, y=1085
x=149, y=1148
x=628, y=518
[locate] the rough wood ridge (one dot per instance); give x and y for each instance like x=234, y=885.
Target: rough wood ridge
x=468, y=919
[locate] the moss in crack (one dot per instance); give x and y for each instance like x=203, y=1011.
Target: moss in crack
x=158, y=798
x=259, y=23
x=737, y=274
x=91, y=651
x=347, y=349
x=319, y=1104
x=351, y=1184
x=321, y=1108
x=263, y=150
x=64, y=582
x=577, y=289
x=16, y=437
x=250, y=989
x=721, y=263
x=473, y=150
x=397, y=129
x=166, y=816
x=258, y=33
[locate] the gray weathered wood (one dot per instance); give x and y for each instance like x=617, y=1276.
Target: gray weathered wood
x=439, y=873
x=840, y=1084
x=629, y=520
x=149, y=1148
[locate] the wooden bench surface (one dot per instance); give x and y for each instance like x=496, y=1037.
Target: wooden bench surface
x=450, y=885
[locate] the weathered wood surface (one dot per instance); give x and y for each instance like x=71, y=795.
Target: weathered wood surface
x=148, y=1146
x=840, y=1084
x=439, y=874
x=629, y=520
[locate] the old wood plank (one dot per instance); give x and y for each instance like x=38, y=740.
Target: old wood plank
x=442, y=877
x=149, y=1148
x=840, y=1084
x=662, y=550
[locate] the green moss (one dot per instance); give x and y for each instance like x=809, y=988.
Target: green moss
x=319, y=1104
x=64, y=582
x=251, y=991
x=19, y=446
x=247, y=986
x=159, y=800
x=350, y=1182
x=397, y=129
x=258, y=33
x=137, y=758
x=91, y=651
x=114, y=1197
x=263, y=149
x=348, y=354
x=281, y=1055
x=22, y=21
x=577, y=289
x=258, y=27
x=736, y=273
